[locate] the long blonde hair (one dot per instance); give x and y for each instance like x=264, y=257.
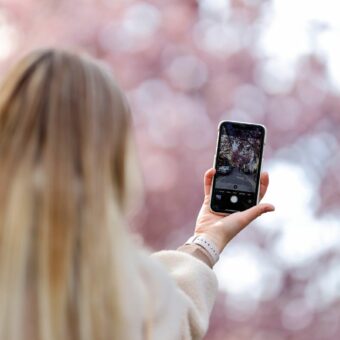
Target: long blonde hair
x=64, y=127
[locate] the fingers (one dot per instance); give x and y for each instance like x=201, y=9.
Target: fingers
x=264, y=182
x=208, y=177
x=239, y=220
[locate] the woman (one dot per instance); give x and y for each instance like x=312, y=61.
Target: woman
x=68, y=267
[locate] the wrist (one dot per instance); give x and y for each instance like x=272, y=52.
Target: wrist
x=207, y=245
x=216, y=239
x=198, y=252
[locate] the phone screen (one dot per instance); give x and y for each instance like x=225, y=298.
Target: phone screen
x=238, y=165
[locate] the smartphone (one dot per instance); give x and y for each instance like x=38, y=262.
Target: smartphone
x=238, y=161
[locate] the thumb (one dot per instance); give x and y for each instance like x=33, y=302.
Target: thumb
x=208, y=178
x=239, y=220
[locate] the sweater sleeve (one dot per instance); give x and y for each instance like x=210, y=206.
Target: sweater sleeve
x=188, y=289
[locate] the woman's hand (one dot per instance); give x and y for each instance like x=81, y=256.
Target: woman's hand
x=221, y=229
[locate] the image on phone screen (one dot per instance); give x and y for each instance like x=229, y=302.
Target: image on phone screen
x=238, y=164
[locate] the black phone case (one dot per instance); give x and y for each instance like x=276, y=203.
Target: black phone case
x=244, y=125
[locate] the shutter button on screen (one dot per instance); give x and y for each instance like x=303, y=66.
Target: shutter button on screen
x=233, y=199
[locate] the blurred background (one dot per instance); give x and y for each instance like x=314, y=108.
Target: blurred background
x=185, y=65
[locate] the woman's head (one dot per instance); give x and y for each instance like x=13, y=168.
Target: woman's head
x=64, y=131
x=65, y=112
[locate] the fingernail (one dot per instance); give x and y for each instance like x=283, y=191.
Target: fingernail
x=268, y=209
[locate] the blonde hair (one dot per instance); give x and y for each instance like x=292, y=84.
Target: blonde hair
x=64, y=127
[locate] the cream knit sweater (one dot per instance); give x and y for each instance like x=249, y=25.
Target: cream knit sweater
x=176, y=295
